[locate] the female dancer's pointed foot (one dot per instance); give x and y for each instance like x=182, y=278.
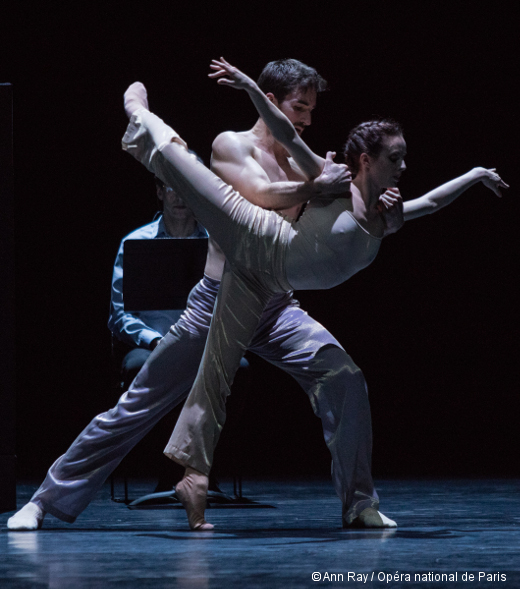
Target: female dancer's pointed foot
x=192, y=492
x=136, y=97
x=28, y=519
x=371, y=518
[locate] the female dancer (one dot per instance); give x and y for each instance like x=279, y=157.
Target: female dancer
x=268, y=254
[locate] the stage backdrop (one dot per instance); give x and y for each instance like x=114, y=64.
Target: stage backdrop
x=432, y=322
x=7, y=304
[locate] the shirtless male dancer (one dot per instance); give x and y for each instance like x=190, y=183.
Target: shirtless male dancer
x=287, y=337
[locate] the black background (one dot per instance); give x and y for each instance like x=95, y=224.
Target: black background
x=433, y=321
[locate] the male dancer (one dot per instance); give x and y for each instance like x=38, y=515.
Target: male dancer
x=260, y=169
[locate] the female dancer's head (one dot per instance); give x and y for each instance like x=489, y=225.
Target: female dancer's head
x=377, y=149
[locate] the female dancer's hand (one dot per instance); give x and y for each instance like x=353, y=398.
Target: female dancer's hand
x=390, y=208
x=228, y=75
x=492, y=180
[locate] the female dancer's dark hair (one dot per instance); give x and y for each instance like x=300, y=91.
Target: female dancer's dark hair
x=368, y=138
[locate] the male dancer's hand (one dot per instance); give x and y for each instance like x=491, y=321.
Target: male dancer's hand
x=334, y=178
x=390, y=208
x=228, y=75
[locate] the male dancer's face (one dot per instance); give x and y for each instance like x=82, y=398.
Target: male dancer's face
x=297, y=106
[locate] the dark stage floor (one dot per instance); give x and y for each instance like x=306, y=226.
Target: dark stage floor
x=445, y=527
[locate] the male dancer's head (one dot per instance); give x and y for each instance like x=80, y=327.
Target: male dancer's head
x=293, y=86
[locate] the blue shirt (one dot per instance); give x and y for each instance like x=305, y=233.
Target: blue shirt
x=139, y=328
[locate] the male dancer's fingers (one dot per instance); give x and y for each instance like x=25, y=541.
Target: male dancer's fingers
x=225, y=62
x=330, y=156
x=215, y=64
x=217, y=74
x=221, y=79
x=225, y=73
x=219, y=70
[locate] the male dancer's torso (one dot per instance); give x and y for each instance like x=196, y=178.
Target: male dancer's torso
x=262, y=159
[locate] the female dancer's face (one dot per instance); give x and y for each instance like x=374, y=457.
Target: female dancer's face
x=387, y=168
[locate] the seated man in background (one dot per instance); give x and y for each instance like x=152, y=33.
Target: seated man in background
x=137, y=333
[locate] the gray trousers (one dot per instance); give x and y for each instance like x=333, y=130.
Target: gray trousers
x=287, y=337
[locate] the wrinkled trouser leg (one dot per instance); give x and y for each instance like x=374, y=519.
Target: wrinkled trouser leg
x=240, y=304
x=303, y=348
x=132, y=363
x=337, y=391
x=163, y=382
x=339, y=397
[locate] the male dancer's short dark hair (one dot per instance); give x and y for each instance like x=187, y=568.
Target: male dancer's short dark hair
x=283, y=76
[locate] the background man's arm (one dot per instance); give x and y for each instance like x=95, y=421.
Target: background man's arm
x=128, y=328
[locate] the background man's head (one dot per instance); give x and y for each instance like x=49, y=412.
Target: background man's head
x=173, y=206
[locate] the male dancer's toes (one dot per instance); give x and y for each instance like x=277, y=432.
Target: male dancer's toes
x=192, y=492
x=29, y=518
x=371, y=518
x=136, y=97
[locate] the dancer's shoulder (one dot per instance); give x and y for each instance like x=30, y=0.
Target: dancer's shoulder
x=232, y=144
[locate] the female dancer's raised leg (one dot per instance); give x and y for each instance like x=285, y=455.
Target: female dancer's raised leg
x=253, y=241
x=250, y=236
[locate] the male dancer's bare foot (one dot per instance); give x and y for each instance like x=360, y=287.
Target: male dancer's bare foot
x=192, y=492
x=28, y=519
x=371, y=518
x=136, y=97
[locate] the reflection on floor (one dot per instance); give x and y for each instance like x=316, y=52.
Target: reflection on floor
x=468, y=527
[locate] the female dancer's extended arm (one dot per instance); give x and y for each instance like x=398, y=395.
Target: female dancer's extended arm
x=279, y=125
x=446, y=193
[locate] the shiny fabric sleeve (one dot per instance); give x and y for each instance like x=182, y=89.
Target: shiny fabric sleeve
x=128, y=328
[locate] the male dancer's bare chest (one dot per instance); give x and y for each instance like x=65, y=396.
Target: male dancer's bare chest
x=280, y=169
